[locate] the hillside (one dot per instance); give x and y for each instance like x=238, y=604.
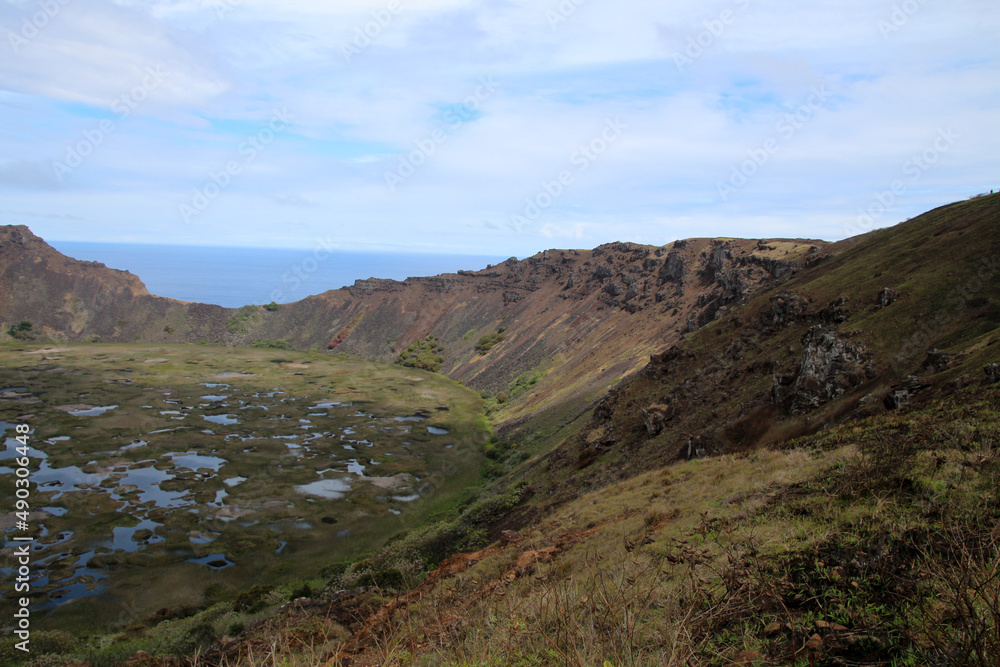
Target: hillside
x=69, y=300
x=809, y=478
x=575, y=321
x=724, y=452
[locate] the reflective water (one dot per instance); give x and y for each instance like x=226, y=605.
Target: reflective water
x=214, y=561
x=224, y=420
x=330, y=489
x=92, y=412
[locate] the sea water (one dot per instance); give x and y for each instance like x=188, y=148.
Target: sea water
x=234, y=277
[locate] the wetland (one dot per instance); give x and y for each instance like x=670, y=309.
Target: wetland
x=162, y=472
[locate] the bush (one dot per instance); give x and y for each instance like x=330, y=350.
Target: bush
x=426, y=354
x=303, y=591
x=271, y=307
x=279, y=344
x=252, y=600
x=524, y=382
x=487, y=342
x=21, y=331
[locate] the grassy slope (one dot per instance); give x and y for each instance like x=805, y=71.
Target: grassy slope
x=859, y=535
x=949, y=299
x=835, y=535
x=740, y=557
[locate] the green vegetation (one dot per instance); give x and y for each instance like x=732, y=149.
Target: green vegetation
x=21, y=331
x=405, y=560
x=272, y=307
x=487, y=342
x=279, y=344
x=869, y=536
x=241, y=320
x=524, y=382
x=426, y=354
x=287, y=536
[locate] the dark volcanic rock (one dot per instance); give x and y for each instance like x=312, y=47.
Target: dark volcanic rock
x=786, y=308
x=836, y=313
x=900, y=394
x=886, y=297
x=829, y=366
x=673, y=269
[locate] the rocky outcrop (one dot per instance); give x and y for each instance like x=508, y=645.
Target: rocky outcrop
x=886, y=297
x=673, y=269
x=992, y=373
x=836, y=312
x=899, y=396
x=937, y=361
x=786, y=308
x=656, y=415
x=829, y=366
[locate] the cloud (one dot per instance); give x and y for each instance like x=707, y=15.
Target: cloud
x=563, y=70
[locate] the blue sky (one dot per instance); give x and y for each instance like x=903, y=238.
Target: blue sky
x=492, y=127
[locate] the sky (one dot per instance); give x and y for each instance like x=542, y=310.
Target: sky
x=499, y=127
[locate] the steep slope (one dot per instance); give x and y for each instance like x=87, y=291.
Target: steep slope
x=578, y=319
x=890, y=318
x=66, y=299
x=809, y=451
x=575, y=320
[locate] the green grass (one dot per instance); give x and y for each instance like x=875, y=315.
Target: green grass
x=691, y=564
x=134, y=376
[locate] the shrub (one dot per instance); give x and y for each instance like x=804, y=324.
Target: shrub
x=21, y=331
x=279, y=344
x=487, y=342
x=271, y=307
x=303, y=591
x=252, y=600
x=426, y=354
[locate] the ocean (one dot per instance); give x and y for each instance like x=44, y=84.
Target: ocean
x=234, y=277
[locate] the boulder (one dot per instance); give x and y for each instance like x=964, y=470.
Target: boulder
x=886, y=297
x=655, y=416
x=937, y=361
x=900, y=394
x=992, y=373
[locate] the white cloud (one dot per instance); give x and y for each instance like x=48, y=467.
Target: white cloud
x=356, y=118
